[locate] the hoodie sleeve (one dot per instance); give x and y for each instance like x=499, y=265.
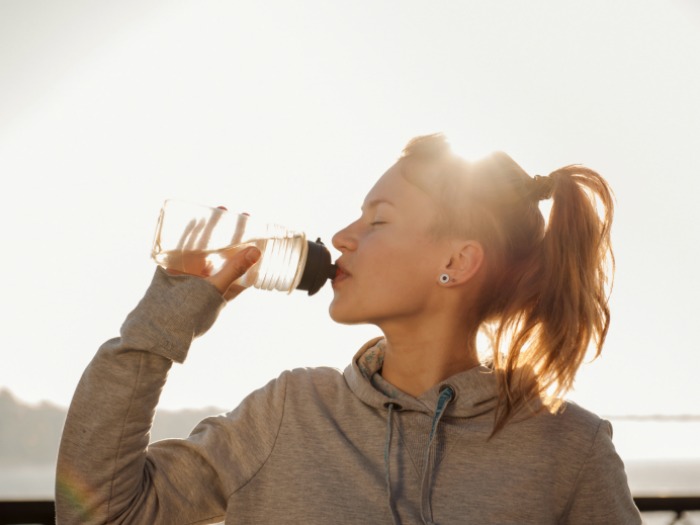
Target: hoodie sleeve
x=601, y=495
x=106, y=471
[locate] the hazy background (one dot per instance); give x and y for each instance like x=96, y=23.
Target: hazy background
x=290, y=111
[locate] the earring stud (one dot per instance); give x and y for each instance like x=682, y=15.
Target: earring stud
x=444, y=278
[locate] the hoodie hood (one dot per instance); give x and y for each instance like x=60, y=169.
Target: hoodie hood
x=475, y=391
x=465, y=395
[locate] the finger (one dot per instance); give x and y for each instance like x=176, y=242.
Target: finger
x=233, y=269
x=209, y=226
x=233, y=291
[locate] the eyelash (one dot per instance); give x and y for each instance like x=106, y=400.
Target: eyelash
x=377, y=223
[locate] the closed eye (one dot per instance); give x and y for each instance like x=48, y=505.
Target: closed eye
x=377, y=223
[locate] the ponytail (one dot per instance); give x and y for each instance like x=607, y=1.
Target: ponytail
x=559, y=304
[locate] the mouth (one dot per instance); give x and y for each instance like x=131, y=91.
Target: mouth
x=341, y=273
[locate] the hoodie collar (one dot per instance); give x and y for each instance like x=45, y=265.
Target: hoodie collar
x=475, y=390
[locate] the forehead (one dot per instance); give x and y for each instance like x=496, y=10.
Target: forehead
x=395, y=189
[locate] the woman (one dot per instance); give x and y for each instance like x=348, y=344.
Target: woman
x=417, y=429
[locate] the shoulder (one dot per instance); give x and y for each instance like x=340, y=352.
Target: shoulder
x=576, y=437
x=318, y=373
x=300, y=387
x=572, y=418
x=299, y=379
x=568, y=418
x=583, y=428
x=316, y=380
x=582, y=432
x=570, y=432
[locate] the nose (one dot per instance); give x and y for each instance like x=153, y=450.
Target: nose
x=345, y=240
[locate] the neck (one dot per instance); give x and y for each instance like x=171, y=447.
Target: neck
x=415, y=362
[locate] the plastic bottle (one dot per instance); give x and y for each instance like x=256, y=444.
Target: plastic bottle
x=196, y=240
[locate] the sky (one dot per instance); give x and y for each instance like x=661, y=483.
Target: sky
x=290, y=111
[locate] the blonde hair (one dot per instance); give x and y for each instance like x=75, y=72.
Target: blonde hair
x=545, y=293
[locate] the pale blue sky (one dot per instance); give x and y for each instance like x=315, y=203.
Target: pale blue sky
x=290, y=111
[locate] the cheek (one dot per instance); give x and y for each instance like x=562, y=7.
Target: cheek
x=385, y=263
x=402, y=270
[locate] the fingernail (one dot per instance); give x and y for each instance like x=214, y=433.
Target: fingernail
x=252, y=254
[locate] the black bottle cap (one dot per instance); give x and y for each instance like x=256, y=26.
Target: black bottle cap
x=318, y=268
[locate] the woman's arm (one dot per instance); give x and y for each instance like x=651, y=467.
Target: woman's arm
x=105, y=473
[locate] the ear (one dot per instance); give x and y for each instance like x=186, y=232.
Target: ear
x=466, y=260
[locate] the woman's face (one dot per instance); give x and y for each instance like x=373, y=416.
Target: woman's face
x=390, y=262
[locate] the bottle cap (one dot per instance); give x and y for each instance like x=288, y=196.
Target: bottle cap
x=318, y=268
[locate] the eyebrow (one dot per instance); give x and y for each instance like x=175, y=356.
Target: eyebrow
x=376, y=202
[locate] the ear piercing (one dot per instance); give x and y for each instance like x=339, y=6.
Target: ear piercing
x=444, y=278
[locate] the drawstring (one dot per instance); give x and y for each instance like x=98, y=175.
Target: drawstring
x=387, y=471
x=445, y=397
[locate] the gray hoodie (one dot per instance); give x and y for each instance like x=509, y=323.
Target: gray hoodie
x=316, y=446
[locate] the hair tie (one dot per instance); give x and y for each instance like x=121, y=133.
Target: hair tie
x=542, y=187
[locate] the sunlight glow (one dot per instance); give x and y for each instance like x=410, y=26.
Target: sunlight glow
x=292, y=114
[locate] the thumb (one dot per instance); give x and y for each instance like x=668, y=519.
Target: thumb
x=234, y=267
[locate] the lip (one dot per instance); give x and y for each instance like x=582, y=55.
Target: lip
x=341, y=274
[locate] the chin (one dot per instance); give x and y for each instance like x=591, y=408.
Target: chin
x=345, y=315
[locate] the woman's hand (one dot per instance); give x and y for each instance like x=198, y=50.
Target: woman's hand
x=232, y=269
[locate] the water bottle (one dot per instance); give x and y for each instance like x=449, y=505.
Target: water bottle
x=196, y=240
